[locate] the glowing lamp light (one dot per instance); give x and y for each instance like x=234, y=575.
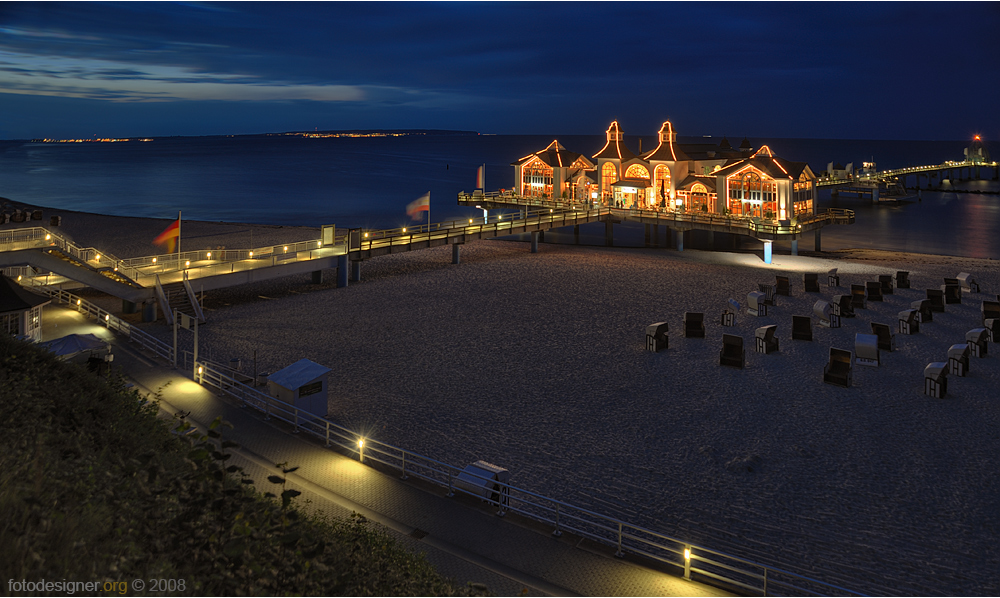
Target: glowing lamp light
x=98, y=258
x=19, y=277
x=366, y=235
x=47, y=237
x=154, y=260
x=286, y=248
x=200, y=370
x=361, y=443
x=404, y=229
x=187, y=263
x=470, y=220
x=319, y=243
x=209, y=255
x=687, y=554
x=107, y=317
x=78, y=302
x=251, y=254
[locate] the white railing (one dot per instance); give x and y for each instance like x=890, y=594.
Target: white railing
x=690, y=559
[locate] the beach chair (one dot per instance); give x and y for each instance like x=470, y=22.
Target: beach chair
x=656, y=337
x=781, y=286
x=810, y=282
x=936, y=297
x=858, y=296
x=886, y=281
x=902, y=279
x=843, y=306
x=874, y=290
x=694, y=324
x=952, y=291
x=958, y=359
x=886, y=339
x=769, y=292
x=978, y=341
x=866, y=350
x=989, y=309
x=766, y=342
x=832, y=280
x=824, y=310
x=909, y=321
x=968, y=283
x=755, y=304
x=993, y=326
x=924, y=312
x=936, y=379
x=802, y=328
x=729, y=317
x=838, y=370
x=732, y=353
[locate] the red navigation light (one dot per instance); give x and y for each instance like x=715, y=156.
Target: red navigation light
x=977, y=137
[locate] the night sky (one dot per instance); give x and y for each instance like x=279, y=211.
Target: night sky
x=899, y=70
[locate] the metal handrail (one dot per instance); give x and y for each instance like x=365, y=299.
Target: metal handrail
x=564, y=516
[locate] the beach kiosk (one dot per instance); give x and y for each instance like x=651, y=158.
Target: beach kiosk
x=303, y=385
x=488, y=482
x=21, y=310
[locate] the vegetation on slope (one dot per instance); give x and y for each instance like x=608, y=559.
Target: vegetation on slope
x=94, y=487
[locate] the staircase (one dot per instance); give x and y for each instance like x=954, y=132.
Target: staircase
x=179, y=296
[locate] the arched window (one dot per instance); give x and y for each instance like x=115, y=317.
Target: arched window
x=536, y=179
x=609, y=176
x=661, y=184
x=637, y=171
x=698, y=188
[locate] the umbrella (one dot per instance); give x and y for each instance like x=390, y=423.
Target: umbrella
x=73, y=344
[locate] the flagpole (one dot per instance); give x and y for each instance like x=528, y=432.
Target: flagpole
x=178, y=234
x=428, y=215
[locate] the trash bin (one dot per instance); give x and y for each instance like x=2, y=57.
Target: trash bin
x=484, y=480
x=262, y=378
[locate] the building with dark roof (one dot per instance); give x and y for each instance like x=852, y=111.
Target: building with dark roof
x=20, y=310
x=704, y=177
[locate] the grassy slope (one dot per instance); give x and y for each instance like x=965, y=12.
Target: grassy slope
x=93, y=486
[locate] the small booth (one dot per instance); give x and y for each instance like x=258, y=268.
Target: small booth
x=303, y=385
x=936, y=379
x=484, y=480
x=21, y=310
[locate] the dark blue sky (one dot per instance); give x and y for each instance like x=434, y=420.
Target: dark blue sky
x=899, y=70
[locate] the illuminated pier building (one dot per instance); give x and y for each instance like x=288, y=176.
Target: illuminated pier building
x=707, y=178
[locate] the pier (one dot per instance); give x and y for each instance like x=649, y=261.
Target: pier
x=954, y=171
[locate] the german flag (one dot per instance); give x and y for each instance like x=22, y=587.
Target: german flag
x=170, y=236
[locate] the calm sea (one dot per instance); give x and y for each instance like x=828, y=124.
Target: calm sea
x=367, y=182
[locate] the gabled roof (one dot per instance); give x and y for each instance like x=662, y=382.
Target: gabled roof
x=614, y=147
x=708, y=180
x=667, y=150
x=773, y=166
x=299, y=373
x=745, y=146
x=555, y=156
x=725, y=144
x=15, y=298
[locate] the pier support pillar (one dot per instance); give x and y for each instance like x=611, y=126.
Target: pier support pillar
x=875, y=194
x=129, y=307
x=920, y=195
x=317, y=277
x=646, y=243
x=343, y=263
x=767, y=251
x=534, y=241
x=609, y=237
x=455, y=251
x=795, y=246
x=680, y=240
x=576, y=234
x=541, y=236
x=656, y=235
x=356, y=271
x=711, y=239
x=819, y=236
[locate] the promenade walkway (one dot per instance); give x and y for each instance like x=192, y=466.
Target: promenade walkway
x=460, y=537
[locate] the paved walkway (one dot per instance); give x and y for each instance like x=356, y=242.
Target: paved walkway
x=464, y=541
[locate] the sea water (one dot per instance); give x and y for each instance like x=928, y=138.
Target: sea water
x=368, y=181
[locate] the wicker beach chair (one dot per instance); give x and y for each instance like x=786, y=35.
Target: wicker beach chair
x=968, y=283
x=858, y=296
x=952, y=291
x=802, y=328
x=924, y=312
x=990, y=310
x=694, y=324
x=874, y=290
x=978, y=341
x=958, y=359
x=769, y=292
x=765, y=340
x=732, y=353
x=838, y=369
x=656, y=337
x=936, y=297
x=936, y=379
x=909, y=321
x=781, y=286
x=810, y=282
x=902, y=279
x=832, y=279
x=843, y=306
x=866, y=350
x=886, y=281
x=756, y=305
x=824, y=310
x=886, y=339
x=729, y=317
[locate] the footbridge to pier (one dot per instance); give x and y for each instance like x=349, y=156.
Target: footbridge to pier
x=39, y=257
x=966, y=170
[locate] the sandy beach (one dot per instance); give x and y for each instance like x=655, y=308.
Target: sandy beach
x=536, y=362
